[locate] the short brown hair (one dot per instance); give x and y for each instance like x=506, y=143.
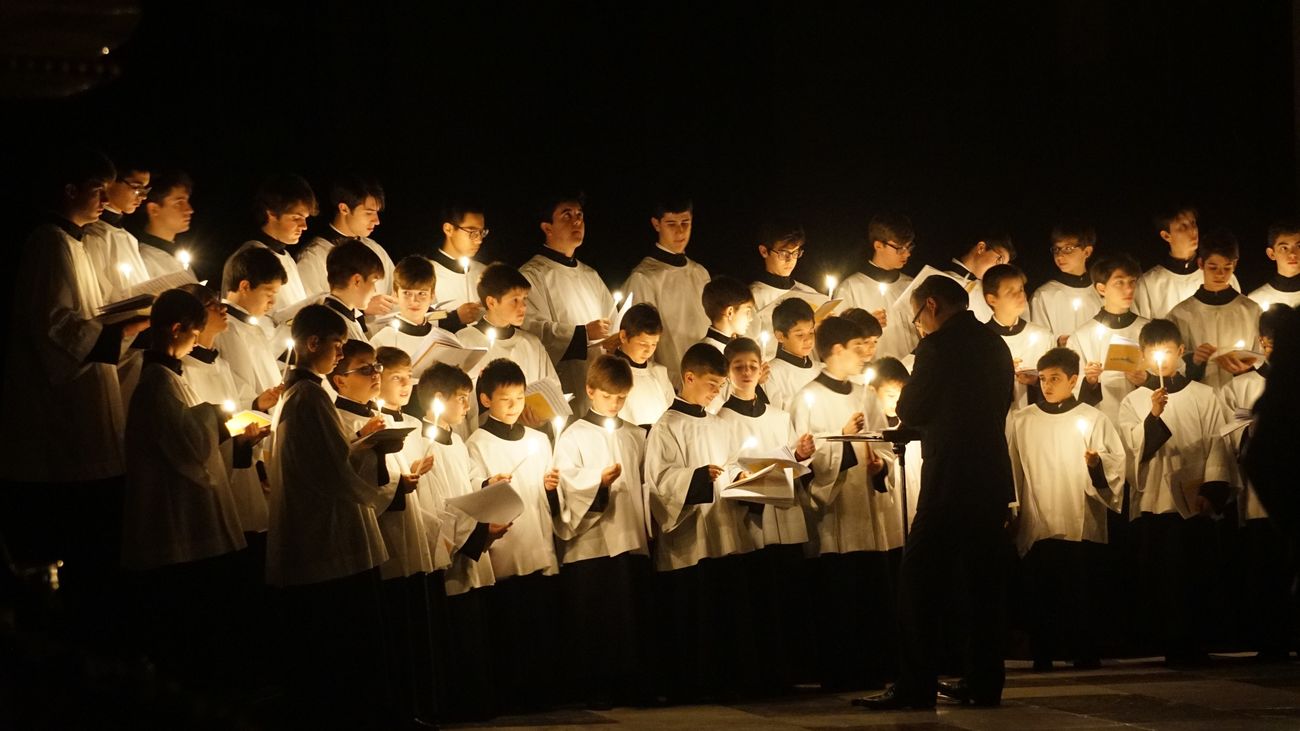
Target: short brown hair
x=414, y=272
x=390, y=357
x=610, y=374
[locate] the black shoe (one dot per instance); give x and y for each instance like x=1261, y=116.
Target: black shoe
x=890, y=700
x=955, y=691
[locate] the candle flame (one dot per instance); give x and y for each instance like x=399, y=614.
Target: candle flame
x=252, y=320
x=618, y=297
x=1076, y=304
x=228, y=406
x=871, y=375
x=1082, y=426
x=809, y=397
x=464, y=263
x=183, y=256
x=831, y=281
x=763, y=337
x=884, y=288
x=1240, y=344
x=125, y=269
x=438, y=408
x=609, y=425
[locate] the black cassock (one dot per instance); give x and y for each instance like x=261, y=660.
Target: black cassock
x=960, y=391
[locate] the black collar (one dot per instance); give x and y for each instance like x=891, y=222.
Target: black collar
x=1007, y=331
x=341, y=307
x=1077, y=281
x=408, y=328
x=660, y=254
x=236, y=313
x=752, y=408
x=395, y=413
x=1222, y=297
x=112, y=218
x=559, y=258
x=794, y=360
x=775, y=280
x=440, y=435
x=886, y=276
x=68, y=227
x=689, y=409
x=301, y=374
x=270, y=242
x=1285, y=284
x=628, y=358
x=164, y=360
x=335, y=236
x=1115, y=322
x=1173, y=384
x=352, y=407
x=1179, y=266
x=713, y=334
x=1059, y=407
x=446, y=261
x=157, y=242
x=501, y=430
x=962, y=271
x=843, y=388
x=503, y=333
x=591, y=417
x=204, y=355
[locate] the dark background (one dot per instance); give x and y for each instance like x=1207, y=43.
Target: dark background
x=966, y=116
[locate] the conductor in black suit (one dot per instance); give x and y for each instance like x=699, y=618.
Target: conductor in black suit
x=959, y=395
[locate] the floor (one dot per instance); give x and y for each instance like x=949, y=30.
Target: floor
x=1232, y=693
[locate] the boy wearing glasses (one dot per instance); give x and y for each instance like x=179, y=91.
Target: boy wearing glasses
x=357, y=203
x=114, y=251
x=456, y=270
x=781, y=244
x=1064, y=303
x=1284, y=249
x=669, y=280
x=881, y=280
x=1068, y=461
x=353, y=271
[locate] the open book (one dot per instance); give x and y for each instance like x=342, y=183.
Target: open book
x=547, y=400
x=497, y=503
x=443, y=347
x=140, y=298
x=615, y=322
x=387, y=436
x=770, y=485
x=237, y=423
x=755, y=460
x=1123, y=355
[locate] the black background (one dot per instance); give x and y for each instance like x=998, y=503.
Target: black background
x=967, y=116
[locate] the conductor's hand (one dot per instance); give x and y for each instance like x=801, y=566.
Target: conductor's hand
x=1203, y=353
x=1091, y=458
x=609, y=474
x=380, y=304
x=805, y=447
x=469, y=312
x=1092, y=373
x=1136, y=378
x=598, y=329
x=855, y=424
x=267, y=399
x=375, y=424
x=874, y=463
x=714, y=472
x=551, y=480
x=1159, y=398
x=881, y=318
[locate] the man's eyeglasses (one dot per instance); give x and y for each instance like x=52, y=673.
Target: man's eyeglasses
x=139, y=189
x=901, y=248
x=369, y=369
x=477, y=234
x=1063, y=250
x=788, y=254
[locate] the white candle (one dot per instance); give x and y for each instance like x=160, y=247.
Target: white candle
x=1159, y=355
x=809, y=398
x=469, y=288
x=183, y=256
x=288, y=343
x=228, y=406
x=763, y=338
x=557, y=425
x=1082, y=426
x=831, y=281
x=492, y=337
x=1076, y=303
x=871, y=375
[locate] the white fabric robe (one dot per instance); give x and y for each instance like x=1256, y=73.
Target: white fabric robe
x=651, y=395
x=776, y=525
x=1052, y=307
x=766, y=298
x=582, y=452
x=455, y=474
x=1219, y=325
x=1240, y=394
x=412, y=345
x=1027, y=346
x=214, y=383
x=1195, y=454
x=178, y=505
x=1055, y=492
x=115, y=255
x=529, y=546
x=675, y=292
x=252, y=356
x=678, y=444
x=315, y=278
x=320, y=488
x=1091, y=344
x=292, y=291
x=522, y=347
x=860, y=290
x=844, y=511
x=450, y=282
x=562, y=300
x=159, y=261
x=890, y=505
x=1159, y=290
x=785, y=380
x=1267, y=293
x=72, y=415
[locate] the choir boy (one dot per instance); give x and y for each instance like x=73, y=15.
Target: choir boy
x=1067, y=300
x=1267, y=576
x=506, y=294
x=1068, y=462
x=602, y=542
x=571, y=306
x=356, y=202
x=353, y=271
x=891, y=379
x=781, y=244
x=256, y=277
x=411, y=329
x=871, y=331
x=729, y=305
x=1175, y=278
x=454, y=474
x=1283, y=248
x=181, y=527
x=167, y=212
x=463, y=231
x=1178, y=473
x=523, y=604
x=669, y=280
x=881, y=280
x=701, y=538
x=793, y=366
x=283, y=204
x=652, y=390
x=851, y=561
x=1115, y=277
x=1217, y=317
x=115, y=252
x=1004, y=292
x=779, y=532
x=321, y=485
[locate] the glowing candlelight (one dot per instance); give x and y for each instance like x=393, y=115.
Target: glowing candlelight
x=610, y=424
x=1082, y=426
x=431, y=433
x=1033, y=339
x=532, y=450
x=1099, y=330
x=1264, y=305
x=438, y=409
x=469, y=292
x=380, y=404
x=884, y=289
x=871, y=375
x=492, y=337
x=1076, y=303
x=395, y=325
x=1240, y=345
x=809, y=398
x=252, y=320
x=763, y=338
x=1159, y=356
x=228, y=406
x=125, y=269
x=831, y=281
x=289, y=344
x=183, y=256
x=618, y=297
x=557, y=425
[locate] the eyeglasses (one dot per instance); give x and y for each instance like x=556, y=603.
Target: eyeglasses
x=1063, y=250
x=901, y=248
x=477, y=234
x=787, y=254
x=139, y=189
x=917, y=317
x=369, y=369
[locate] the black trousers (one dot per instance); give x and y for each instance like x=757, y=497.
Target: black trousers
x=855, y=594
x=954, y=556
x=707, y=643
x=470, y=666
x=782, y=596
x=1178, y=560
x=605, y=602
x=1065, y=598
x=523, y=616
x=1269, y=574
x=409, y=643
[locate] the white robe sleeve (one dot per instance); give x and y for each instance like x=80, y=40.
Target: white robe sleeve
x=668, y=479
x=1104, y=439
x=541, y=319
x=579, y=487
x=826, y=459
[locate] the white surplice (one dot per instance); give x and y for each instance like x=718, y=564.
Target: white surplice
x=619, y=526
x=674, y=291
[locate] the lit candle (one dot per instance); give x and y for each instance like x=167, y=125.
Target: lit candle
x=438, y=409
x=288, y=343
x=1099, y=330
x=469, y=291
x=431, y=433
x=1159, y=355
x=125, y=269
x=1033, y=339
x=763, y=338
x=1240, y=345
x=228, y=406
x=1082, y=426
x=809, y=398
x=532, y=450
x=395, y=325
x=557, y=425
x=871, y=375
x=183, y=256
x=252, y=320
x=618, y=297
x=1264, y=305
x=610, y=424
x=492, y=337
x=380, y=404
x=884, y=289
x=830, y=285
x=1076, y=303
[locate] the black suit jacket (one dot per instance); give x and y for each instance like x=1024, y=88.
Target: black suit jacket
x=959, y=394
